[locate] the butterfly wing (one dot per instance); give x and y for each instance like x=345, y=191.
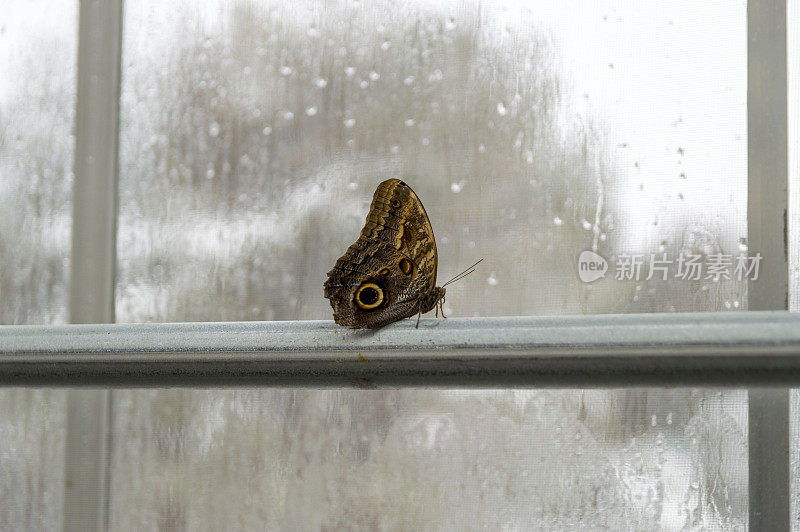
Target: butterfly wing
x=385, y=274
x=397, y=217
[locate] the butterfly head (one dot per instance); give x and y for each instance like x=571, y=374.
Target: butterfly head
x=429, y=300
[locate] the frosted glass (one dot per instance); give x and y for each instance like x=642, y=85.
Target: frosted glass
x=37, y=108
x=420, y=459
x=793, y=88
x=794, y=413
x=37, y=104
x=253, y=135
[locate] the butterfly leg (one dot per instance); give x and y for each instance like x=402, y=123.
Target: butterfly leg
x=418, y=317
x=440, y=307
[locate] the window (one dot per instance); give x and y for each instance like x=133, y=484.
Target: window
x=792, y=47
x=37, y=110
x=251, y=137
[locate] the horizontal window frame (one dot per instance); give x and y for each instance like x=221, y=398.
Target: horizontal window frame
x=681, y=349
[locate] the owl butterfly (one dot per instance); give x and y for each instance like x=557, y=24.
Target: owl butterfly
x=389, y=273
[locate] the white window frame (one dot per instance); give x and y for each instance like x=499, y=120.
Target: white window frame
x=756, y=349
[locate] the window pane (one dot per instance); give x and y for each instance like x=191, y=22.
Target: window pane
x=793, y=74
x=37, y=101
x=253, y=136
x=793, y=48
x=254, y=133
x=420, y=459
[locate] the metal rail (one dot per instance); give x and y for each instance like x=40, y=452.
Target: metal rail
x=710, y=349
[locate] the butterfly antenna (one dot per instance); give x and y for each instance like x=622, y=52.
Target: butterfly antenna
x=463, y=274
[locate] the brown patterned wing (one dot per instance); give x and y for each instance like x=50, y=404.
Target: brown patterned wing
x=389, y=273
x=398, y=218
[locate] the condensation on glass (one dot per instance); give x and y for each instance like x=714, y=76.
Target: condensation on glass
x=37, y=109
x=253, y=135
x=793, y=89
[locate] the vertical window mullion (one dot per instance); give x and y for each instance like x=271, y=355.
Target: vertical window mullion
x=94, y=222
x=767, y=194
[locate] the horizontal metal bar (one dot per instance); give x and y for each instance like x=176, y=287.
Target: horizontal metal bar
x=727, y=349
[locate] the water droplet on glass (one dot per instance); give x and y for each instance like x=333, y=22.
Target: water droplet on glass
x=481, y=148
x=450, y=24
x=409, y=80
x=587, y=225
x=311, y=111
x=374, y=76
x=492, y=279
x=558, y=221
x=350, y=122
x=654, y=421
x=213, y=129
x=321, y=82
x=385, y=45
x=410, y=122
x=210, y=172
x=208, y=43
x=529, y=156
x=742, y=244
x=501, y=109
x=736, y=304
x=313, y=33
x=246, y=70
x=286, y=70
x=364, y=84
x=349, y=71
x=288, y=115
x=352, y=185
x=395, y=149
x=266, y=131
x=518, y=141
x=425, y=141
x=456, y=187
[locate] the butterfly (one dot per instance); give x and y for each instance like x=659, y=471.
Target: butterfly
x=389, y=273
